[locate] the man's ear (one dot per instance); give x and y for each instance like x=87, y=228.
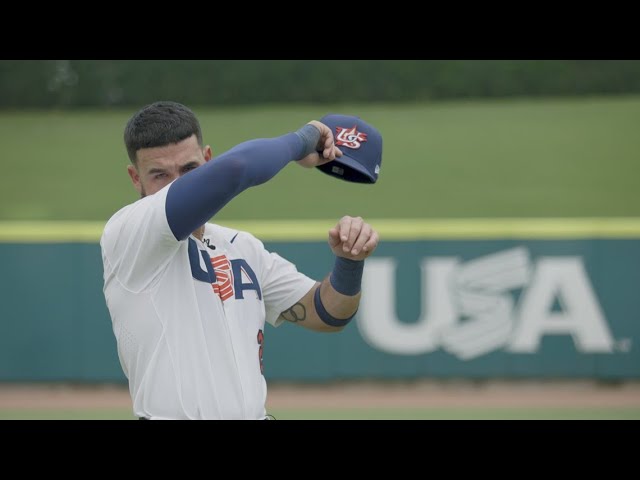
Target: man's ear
x=135, y=177
x=208, y=153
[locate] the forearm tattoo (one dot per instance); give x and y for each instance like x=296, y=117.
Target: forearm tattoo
x=297, y=313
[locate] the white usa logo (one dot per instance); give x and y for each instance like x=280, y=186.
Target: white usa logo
x=469, y=310
x=350, y=137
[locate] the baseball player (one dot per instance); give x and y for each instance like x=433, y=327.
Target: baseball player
x=189, y=299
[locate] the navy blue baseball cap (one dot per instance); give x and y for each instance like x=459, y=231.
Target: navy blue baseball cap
x=361, y=146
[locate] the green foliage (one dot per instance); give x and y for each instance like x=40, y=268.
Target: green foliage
x=98, y=83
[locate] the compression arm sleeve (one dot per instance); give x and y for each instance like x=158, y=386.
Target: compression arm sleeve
x=198, y=195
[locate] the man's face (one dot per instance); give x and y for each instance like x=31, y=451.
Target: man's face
x=159, y=166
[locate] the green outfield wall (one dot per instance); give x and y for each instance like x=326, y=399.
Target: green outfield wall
x=441, y=299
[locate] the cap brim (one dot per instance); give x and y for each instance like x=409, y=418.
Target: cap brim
x=355, y=172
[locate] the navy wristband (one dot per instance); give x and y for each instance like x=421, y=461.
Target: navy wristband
x=325, y=316
x=346, y=276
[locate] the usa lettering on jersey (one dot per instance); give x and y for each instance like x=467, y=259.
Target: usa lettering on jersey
x=228, y=278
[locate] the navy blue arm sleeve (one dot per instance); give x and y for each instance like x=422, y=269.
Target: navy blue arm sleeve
x=198, y=195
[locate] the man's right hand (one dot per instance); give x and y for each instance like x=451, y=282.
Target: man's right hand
x=326, y=148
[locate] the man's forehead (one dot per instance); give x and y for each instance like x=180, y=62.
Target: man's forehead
x=167, y=163
x=168, y=157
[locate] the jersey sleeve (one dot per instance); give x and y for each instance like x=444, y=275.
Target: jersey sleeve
x=282, y=284
x=137, y=242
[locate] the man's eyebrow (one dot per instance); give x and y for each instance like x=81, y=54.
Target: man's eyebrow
x=156, y=170
x=189, y=165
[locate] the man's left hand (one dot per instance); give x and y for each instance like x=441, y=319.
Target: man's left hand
x=352, y=238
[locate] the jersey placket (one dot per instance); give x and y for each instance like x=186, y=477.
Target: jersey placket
x=223, y=289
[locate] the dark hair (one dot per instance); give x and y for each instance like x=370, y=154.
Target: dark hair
x=160, y=124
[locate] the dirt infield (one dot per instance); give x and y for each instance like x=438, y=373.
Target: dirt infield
x=427, y=394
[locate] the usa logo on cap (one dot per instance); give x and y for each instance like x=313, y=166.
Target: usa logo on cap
x=350, y=137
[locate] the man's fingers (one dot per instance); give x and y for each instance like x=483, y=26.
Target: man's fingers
x=330, y=154
x=328, y=142
x=372, y=243
x=354, y=231
x=344, y=226
x=333, y=151
x=358, y=238
x=327, y=150
x=334, y=237
x=363, y=237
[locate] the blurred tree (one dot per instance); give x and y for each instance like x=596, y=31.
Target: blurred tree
x=100, y=83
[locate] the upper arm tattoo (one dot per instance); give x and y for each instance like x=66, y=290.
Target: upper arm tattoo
x=297, y=313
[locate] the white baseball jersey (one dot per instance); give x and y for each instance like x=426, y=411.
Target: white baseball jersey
x=189, y=316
